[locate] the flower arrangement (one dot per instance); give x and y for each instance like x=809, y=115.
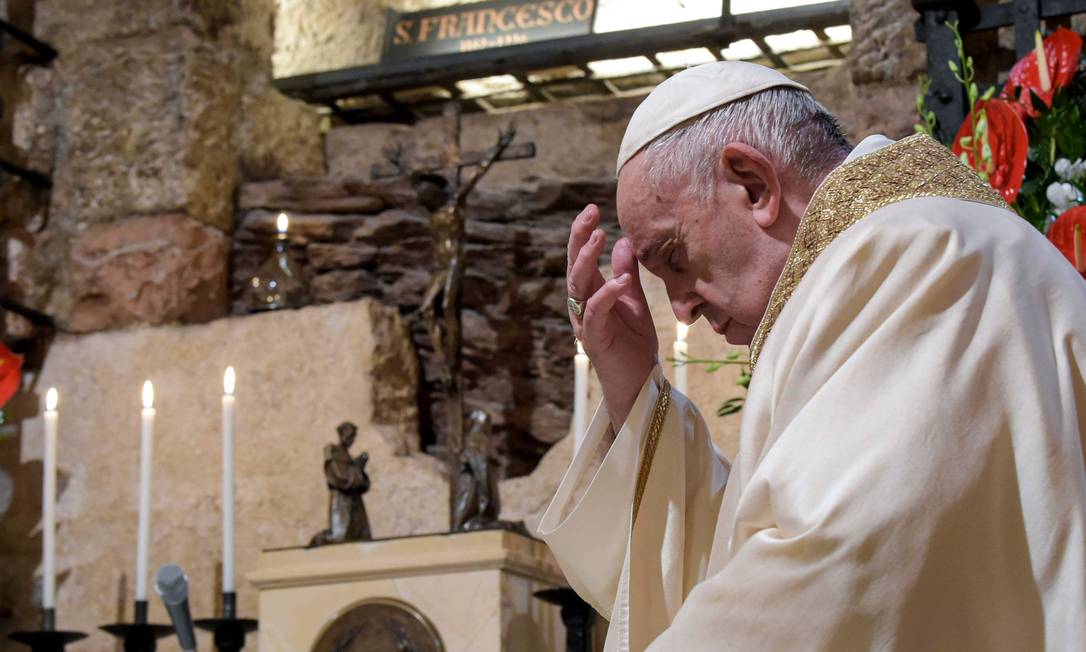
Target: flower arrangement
x=11, y=366
x=1029, y=142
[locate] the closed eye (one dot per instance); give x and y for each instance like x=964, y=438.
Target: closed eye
x=674, y=260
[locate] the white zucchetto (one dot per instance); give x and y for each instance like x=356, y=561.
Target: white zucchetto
x=691, y=93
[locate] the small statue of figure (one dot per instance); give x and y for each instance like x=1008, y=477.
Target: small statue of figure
x=475, y=503
x=347, y=481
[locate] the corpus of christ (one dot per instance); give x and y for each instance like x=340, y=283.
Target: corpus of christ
x=542, y=325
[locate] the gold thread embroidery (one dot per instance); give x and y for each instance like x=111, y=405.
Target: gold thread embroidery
x=914, y=167
x=656, y=426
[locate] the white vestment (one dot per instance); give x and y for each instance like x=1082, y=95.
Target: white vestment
x=910, y=472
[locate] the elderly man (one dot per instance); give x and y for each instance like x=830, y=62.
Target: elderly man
x=910, y=473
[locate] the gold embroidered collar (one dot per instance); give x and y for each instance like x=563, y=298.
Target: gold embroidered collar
x=917, y=166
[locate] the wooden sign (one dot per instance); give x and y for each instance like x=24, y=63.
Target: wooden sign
x=482, y=25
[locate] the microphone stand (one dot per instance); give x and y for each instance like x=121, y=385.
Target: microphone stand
x=138, y=636
x=47, y=639
x=229, y=631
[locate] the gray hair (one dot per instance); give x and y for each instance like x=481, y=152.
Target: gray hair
x=787, y=125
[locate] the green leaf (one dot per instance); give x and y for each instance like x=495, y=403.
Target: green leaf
x=732, y=357
x=730, y=406
x=967, y=141
x=953, y=65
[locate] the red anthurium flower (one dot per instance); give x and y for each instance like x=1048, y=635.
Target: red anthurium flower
x=1063, y=234
x=1062, y=50
x=1003, y=161
x=11, y=366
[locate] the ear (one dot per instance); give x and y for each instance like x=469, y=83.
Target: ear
x=756, y=177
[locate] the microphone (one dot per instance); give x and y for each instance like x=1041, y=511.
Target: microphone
x=173, y=587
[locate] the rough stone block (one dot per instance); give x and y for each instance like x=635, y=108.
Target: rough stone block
x=164, y=148
x=324, y=195
x=320, y=35
x=595, y=126
x=877, y=108
x=884, y=46
x=67, y=23
x=323, y=257
x=148, y=269
x=261, y=225
x=279, y=137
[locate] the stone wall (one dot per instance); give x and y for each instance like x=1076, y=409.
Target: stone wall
x=356, y=239
x=147, y=121
x=319, y=35
x=300, y=373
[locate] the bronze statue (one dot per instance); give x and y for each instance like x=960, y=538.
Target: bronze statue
x=441, y=191
x=347, y=481
x=475, y=496
x=441, y=302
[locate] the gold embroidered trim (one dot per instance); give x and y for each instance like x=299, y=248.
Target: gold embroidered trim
x=917, y=166
x=656, y=426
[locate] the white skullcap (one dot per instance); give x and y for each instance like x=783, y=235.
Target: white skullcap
x=691, y=93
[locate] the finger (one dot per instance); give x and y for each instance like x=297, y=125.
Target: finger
x=624, y=261
x=580, y=231
x=584, y=277
x=633, y=307
x=602, y=302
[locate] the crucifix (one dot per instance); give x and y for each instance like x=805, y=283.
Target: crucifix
x=442, y=190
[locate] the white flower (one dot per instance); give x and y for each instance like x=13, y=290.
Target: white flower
x=1063, y=196
x=1069, y=171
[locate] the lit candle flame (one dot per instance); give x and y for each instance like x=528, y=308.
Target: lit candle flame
x=228, y=380
x=1042, y=62
x=148, y=395
x=680, y=331
x=580, y=347
x=282, y=223
x=51, y=398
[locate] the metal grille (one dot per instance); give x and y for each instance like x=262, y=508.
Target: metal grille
x=595, y=65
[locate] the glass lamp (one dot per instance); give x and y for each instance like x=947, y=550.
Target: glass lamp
x=279, y=282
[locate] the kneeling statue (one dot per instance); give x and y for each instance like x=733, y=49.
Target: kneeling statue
x=347, y=481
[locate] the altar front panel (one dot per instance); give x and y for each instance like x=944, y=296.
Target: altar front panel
x=474, y=588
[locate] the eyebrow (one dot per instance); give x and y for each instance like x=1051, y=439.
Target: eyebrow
x=646, y=255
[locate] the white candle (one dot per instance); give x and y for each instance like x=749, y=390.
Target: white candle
x=147, y=431
x=48, y=503
x=228, y=481
x=680, y=354
x=580, y=396
x=282, y=223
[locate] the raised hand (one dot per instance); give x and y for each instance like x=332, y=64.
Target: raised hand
x=615, y=325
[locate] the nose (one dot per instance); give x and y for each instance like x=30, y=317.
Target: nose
x=684, y=303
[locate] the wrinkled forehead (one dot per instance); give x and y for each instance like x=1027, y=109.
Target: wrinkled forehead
x=644, y=208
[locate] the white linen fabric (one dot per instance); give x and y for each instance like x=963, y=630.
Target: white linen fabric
x=910, y=473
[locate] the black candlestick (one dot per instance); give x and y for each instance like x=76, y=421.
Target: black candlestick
x=138, y=636
x=47, y=639
x=576, y=615
x=229, y=631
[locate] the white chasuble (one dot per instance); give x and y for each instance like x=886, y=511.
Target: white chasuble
x=910, y=473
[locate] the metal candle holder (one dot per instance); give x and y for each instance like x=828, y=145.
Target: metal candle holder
x=47, y=639
x=229, y=631
x=576, y=615
x=139, y=635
